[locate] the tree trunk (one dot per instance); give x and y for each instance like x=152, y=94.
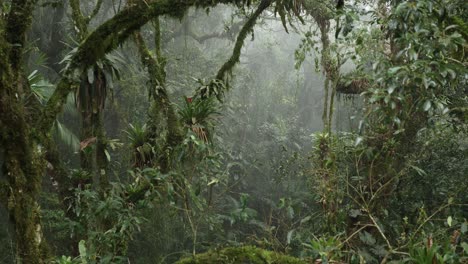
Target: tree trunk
x=23, y=164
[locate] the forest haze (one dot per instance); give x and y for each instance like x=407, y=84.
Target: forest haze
x=233, y=131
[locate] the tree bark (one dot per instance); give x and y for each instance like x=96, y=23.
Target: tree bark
x=23, y=164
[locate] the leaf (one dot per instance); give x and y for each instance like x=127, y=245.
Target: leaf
x=307, y=218
x=449, y=221
x=465, y=247
x=420, y=171
x=86, y=142
x=358, y=141
x=82, y=250
x=394, y=70
x=66, y=136
x=367, y=238
x=213, y=181
x=107, y=155
x=427, y=105
x=290, y=212
x=464, y=228
x=452, y=73
x=354, y=213
x=91, y=75
x=289, y=236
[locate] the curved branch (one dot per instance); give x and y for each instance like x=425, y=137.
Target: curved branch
x=226, y=34
x=248, y=27
x=81, y=25
x=108, y=36
x=95, y=10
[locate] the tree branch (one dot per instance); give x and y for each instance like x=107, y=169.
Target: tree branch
x=248, y=27
x=227, y=34
x=111, y=34
x=95, y=11
x=81, y=25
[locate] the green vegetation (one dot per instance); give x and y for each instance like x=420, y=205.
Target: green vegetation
x=241, y=255
x=233, y=131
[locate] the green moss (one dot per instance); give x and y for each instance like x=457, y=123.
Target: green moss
x=81, y=25
x=248, y=27
x=111, y=34
x=247, y=255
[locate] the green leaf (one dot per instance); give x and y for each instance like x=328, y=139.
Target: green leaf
x=464, y=228
x=82, y=250
x=367, y=238
x=465, y=247
x=289, y=236
x=305, y=219
x=427, y=105
x=394, y=70
x=107, y=155
x=358, y=141
x=449, y=221
x=90, y=75
x=420, y=171
x=452, y=73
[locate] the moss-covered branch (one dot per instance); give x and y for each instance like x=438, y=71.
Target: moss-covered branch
x=246, y=29
x=227, y=34
x=81, y=24
x=108, y=36
x=161, y=107
x=95, y=11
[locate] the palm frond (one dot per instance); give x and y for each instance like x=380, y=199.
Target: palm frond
x=40, y=87
x=66, y=136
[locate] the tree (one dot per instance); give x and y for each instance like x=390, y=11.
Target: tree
x=25, y=132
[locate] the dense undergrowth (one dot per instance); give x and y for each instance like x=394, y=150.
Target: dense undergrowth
x=151, y=161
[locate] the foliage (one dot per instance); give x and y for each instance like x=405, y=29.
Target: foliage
x=243, y=161
x=142, y=150
x=198, y=115
x=240, y=255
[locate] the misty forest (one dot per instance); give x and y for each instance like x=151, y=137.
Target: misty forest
x=233, y=131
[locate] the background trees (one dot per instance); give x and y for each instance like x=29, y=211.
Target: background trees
x=207, y=140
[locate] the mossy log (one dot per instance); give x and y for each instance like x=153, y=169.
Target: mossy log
x=241, y=255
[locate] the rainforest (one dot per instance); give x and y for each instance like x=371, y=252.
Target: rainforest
x=233, y=131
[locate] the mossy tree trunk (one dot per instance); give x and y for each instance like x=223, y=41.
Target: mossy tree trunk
x=24, y=163
x=161, y=114
x=23, y=143
x=326, y=166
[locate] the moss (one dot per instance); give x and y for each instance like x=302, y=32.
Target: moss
x=81, y=24
x=247, y=255
x=111, y=34
x=19, y=20
x=161, y=108
x=54, y=105
x=248, y=27
x=356, y=86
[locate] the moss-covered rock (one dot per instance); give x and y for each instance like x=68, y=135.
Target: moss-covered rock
x=241, y=255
